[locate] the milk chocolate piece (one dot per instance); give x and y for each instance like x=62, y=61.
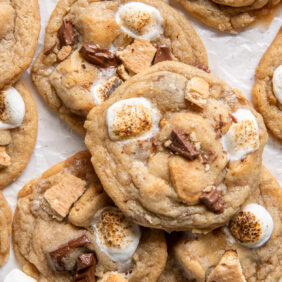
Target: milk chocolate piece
x=163, y=54
x=204, y=68
x=55, y=258
x=86, y=267
x=97, y=56
x=181, y=145
x=66, y=33
x=213, y=200
x=87, y=276
x=48, y=50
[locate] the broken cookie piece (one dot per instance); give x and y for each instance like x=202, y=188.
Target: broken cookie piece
x=5, y=159
x=137, y=56
x=197, y=91
x=228, y=269
x=60, y=197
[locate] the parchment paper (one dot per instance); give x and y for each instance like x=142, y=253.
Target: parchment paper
x=231, y=57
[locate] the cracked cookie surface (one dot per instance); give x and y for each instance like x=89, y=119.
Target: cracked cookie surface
x=19, y=30
x=92, y=46
x=92, y=239
x=18, y=131
x=267, y=90
x=177, y=148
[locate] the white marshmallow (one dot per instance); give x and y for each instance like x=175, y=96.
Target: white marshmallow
x=17, y=275
x=116, y=237
x=14, y=109
x=253, y=226
x=277, y=83
x=242, y=137
x=132, y=119
x=140, y=20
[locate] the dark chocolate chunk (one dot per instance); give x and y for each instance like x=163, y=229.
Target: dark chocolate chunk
x=50, y=49
x=213, y=200
x=86, y=267
x=181, y=145
x=204, y=68
x=56, y=258
x=66, y=33
x=97, y=56
x=163, y=54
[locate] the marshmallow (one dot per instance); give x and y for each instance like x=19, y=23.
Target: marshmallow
x=12, y=114
x=17, y=275
x=113, y=277
x=140, y=20
x=115, y=235
x=242, y=137
x=133, y=118
x=253, y=226
x=277, y=83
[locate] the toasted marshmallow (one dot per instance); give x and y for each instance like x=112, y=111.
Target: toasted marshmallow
x=252, y=227
x=12, y=109
x=242, y=137
x=17, y=275
x=113, y=277
x=277, y=83
x=116, y=237
x=140, y=20
x=102, y=91
x=132, y=119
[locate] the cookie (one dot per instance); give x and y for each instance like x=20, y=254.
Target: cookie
x=5, y=229
x=229, y=15
x=18, y=131
x=177, y=148
x=19, y=30
x=65, y=228
x=248, y=249
x=91, y=47
x=267, y=90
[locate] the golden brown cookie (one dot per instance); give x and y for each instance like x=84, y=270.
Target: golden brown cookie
x=177, y=148
x=218, y=256
x=229, y=15
x=19, y=30
x=18, y=131
x=65, y=228
x=267, y=91
x=92, y=46
x=5, y=229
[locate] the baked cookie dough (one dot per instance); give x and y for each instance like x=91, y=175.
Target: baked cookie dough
x=267, y=91
x=65, y=228
x=177, y=148
x=92, y=46
x=18, y=131
x=19, y=30
x=5, y=229
x=228, y=15
x=252, y=253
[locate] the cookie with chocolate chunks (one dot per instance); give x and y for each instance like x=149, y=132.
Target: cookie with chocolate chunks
x=87, y=50
x=94, y=241
x=180, y=145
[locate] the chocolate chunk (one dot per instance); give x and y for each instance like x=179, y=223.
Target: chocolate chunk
x=234, y=119
x=97, y=56
x=86, y=267
x=56, y=258
x=163, y=54
x=66, y=33
x=213, y=200
x=204, y=68
x=50, y=49
x=181, y=145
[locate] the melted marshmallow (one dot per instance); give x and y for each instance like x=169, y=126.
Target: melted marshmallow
x=277, y=83
x=140, y=20
x=115, y=235
x=242, y=137
x=253, y=226
x=17, y=275
x=13, y=111
x=132, y=119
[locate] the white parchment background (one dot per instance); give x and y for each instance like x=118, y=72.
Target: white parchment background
x=231, y=57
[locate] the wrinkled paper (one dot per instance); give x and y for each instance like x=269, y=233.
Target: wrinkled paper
x=231, y=57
